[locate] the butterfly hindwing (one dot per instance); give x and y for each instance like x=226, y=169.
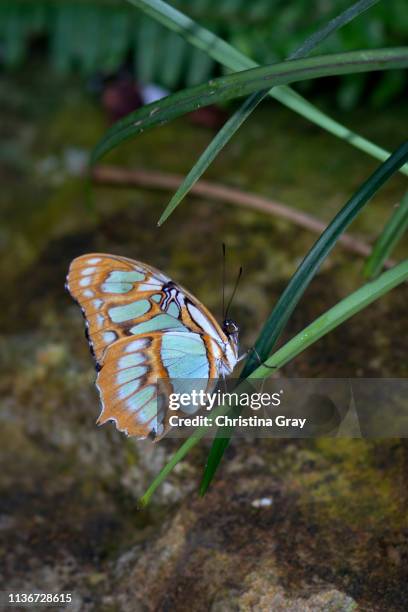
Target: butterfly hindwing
x=140, y=373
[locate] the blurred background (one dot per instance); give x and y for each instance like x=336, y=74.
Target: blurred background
x=332, y=533
x=97, y=38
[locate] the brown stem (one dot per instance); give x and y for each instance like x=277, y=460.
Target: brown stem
x=113, y=175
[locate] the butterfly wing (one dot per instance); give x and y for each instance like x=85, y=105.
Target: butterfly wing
x=114, y=293
x=142, y=327
x=120, y=297
x=140, y=372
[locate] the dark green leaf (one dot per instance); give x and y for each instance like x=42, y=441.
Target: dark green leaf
x=301, y=280
x=244, y=82
x=392, y=233
x=225, y=134
x=346, y=308
x=234, y=59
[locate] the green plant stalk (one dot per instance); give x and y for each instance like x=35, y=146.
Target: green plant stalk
x=233, y=59
x=331, y=319
x=245, y=82
x=224, y=135
x=300, y=281
x=392, y=233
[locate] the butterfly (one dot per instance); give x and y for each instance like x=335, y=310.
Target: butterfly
x=142, y=329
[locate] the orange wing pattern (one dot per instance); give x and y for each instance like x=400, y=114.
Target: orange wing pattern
x=141, y=327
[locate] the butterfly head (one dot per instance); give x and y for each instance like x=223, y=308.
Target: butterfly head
x=231, y=330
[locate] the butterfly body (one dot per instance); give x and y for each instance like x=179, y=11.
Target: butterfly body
x=143, y=327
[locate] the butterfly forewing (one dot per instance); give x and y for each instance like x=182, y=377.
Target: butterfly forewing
x=114, y=294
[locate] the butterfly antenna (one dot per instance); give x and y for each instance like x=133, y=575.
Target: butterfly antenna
x=234, y=292
x=223, y=280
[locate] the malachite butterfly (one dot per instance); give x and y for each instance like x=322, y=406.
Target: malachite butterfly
x=142, y=328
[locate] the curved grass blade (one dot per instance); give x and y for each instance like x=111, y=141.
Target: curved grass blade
x=301, y=279
x=334, y=317
x=392, y=233
x=333, y=25
x=245, y=82
x=244, y=111
x=233, y=59
x=222, y=137
x=328, y=321
x=311, y=334
x=310, y=265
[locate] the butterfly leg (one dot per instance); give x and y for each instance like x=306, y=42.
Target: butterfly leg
x=253, y=349
x=243, y=356
x=260, y=360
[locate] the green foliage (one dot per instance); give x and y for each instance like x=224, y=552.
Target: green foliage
x=344, y=310
x=242, y=83
x=392, y=233
x=248, y=106
x=318, y=253
x=230, y=57
x=99, y=35
x=298, y=284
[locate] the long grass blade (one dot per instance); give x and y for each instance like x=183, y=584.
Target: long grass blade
x=328, y=321
x=310, y=265
x=334, y=317
x=245, y=110
x=233, y=59
x=245, y=82
x=301, y=279
x=392, y=233
x=222, y=137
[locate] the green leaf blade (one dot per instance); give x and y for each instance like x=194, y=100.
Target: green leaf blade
x=393, y=231
x=341, y=312
x=318, y=253
x=245, y=82
x=210, y=153
x=218, y=448
x=302, y=277
x=225, y=134
x=233, y=59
